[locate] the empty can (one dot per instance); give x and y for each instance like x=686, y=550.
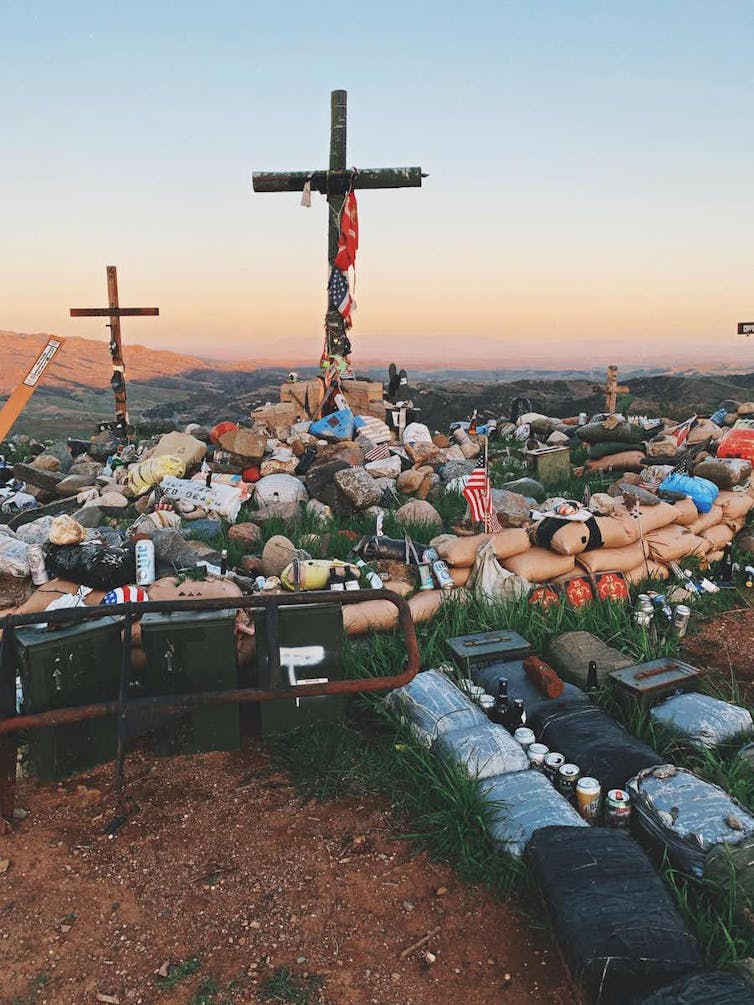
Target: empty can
x=568, y=776
x=588, y=798
x=552, y=765
x=524, y=736
x=537, y=753
x=617, y=808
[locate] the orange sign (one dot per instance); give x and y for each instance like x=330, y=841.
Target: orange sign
x=20, y=396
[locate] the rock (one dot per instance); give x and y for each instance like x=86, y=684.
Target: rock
x=60, y=450
x=40, y=477
x=319, y=511
x=277, y=511
x=246, y=534
x=89, y=516
x=275, y=467
x=349, y=452
x=110, y=536
x=425, y=453
x=112, y=500
x=386, y=485
x=418, y=512
x=14, y=590
x=244, y=443
x=206, y=529
x=86, y=469
x=197, y=431
x=456, y=469
x=71, y=485
x=172, y=552
x=388, y=468
x=277, y=554
x=273, y=489
x=526, y=487
x=47, y=462
x=725, y=472
x=251, y=565
x=103, y=445
x=558, y=439
x=512, y=509
x=358, y=485
x=633, y=493
x=441, y=441
x=36, y=532
x=409, y=481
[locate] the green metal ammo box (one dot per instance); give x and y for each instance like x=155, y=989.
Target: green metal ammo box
x=311, y=643
x=189, y=652
x=65, y=667
x=549, y=465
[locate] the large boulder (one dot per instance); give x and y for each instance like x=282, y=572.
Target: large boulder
x=277, y=554
x=456, y=469
x=390, y=467
x=526, y=487
x=172, y=552
x=417, y=511
x=512, y=509
x=320, y=480
x=248, y=535
x=71, y=485
x=318, y=511
x=358, y=486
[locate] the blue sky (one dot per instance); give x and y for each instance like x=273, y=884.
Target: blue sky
x=589, y=195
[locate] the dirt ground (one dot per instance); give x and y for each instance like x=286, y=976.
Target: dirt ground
x=224, y=864
x=726, y=647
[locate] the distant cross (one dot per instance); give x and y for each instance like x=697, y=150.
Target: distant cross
x=335, y=183
x=115, y=312
x=611, y=390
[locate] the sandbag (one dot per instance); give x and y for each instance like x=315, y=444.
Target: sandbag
x=701, y=491
x=43, y=596
x=596, y=451
x=594, y=740
x=483, y=750
x=737, y=443
x=704, y=429
x=686, y=511
x=369, y=616
x=141, y=477
x=432, y=704
x=734, y=504
x=608, y=559
x=462, y=551
x=707, y=520
x=211, y=588
x=491, y=582
x=662, y=446
x=627, y=460
x=571, y=653
x=520, y=686
x=647, y=570
x=459, y=575
x=190, y=450
x=672, y=543
x=614, y=917
x=617, y=531
x=612, y=432
x=714, y=987
x=718, y=536
x=567, y=537
x=525, y=802
x=538, y=565
x=425, y=604
x=725, y=472
x=702, y=720
x=687, y=815
x=92, y=564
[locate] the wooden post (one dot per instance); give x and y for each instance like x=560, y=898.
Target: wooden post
x=611, y=390
x=338, y=113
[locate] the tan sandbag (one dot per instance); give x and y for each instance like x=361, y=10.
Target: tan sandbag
x=703, y=430
x=213, y=587
x=459, y=575
x=736, y=525
x=687, y=512
x=719, y=536
x=707, y=520
x=369, y=616
x=612, y=559
x=714, y=556
x=461, y=551
x=190, y=450
x=671, y=543
x=617, y=531
x=509, y=542
x=399, y=586
x=44, y=595
x=626, y=460
x=734, y=504
x=539, y=564
x=425, y=604
x=571, y=539
x=654, y=517
x=648, y=570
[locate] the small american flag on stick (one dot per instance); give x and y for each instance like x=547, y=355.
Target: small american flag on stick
x=478, y=494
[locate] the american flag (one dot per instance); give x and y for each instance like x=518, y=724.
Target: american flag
x=373, y=451
x=682, y=431
x=478, y=494
x=340, y=295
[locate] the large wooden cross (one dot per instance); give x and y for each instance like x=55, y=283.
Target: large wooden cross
x=335, y=183
x=611, y=390
x=115, y=312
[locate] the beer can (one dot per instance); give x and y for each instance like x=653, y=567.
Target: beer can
x=582, y=418
x=425, y=576
x=37, y=564
x=568, y=776
x=588, y=798
x=260, y=583
x=552, y=765
x=145, y=565
x=681, y=616
x=537, y=753
x=524, y=736
x=617, y=808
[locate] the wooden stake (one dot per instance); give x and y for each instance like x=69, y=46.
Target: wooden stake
x=420, y=942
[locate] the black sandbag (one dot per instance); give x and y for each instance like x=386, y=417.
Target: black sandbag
x=596, y=451
x=520, y=686
x=92, y=564
x=595, y=741
x=614, y=918
x=717, y=987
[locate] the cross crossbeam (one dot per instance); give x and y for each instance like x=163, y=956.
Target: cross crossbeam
x=115, y=312
x=611, y=390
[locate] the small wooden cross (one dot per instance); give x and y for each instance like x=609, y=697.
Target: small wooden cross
x=115, y=312
x=335, y=183
x=611, y=390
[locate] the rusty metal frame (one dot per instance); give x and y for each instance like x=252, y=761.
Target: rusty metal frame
x=11, y=722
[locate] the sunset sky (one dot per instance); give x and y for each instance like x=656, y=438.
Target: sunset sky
x=590, y=196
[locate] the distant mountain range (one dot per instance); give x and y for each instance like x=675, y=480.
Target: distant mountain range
x=167, y=387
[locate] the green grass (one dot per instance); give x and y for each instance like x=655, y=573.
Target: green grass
x=209, y=992
x=178, y=972
x=285, y=986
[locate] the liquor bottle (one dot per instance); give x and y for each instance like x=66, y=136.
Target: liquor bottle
x=725, y=575
x=224, y=562
x=351, y=580
x=473, y=424
x=373, y=578
x=336, y=579
x=516, y=716
x=499, y=711
x=591, y=677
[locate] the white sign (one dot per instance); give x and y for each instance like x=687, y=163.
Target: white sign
x=42, y=362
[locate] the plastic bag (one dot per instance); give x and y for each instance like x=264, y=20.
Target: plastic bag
x=14, y=557
x=524, y=802
x=483, y=750
x=224, y=500
x=702, y=492
x=490, y=581
x=716, y=987
x=595, y=741
x=614, y=917
x=92, y=564
x=687, y=815
x=432, y=703
x=702, y=720
x=143, y=476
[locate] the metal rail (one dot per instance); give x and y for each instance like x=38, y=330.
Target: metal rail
x=11, y=722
